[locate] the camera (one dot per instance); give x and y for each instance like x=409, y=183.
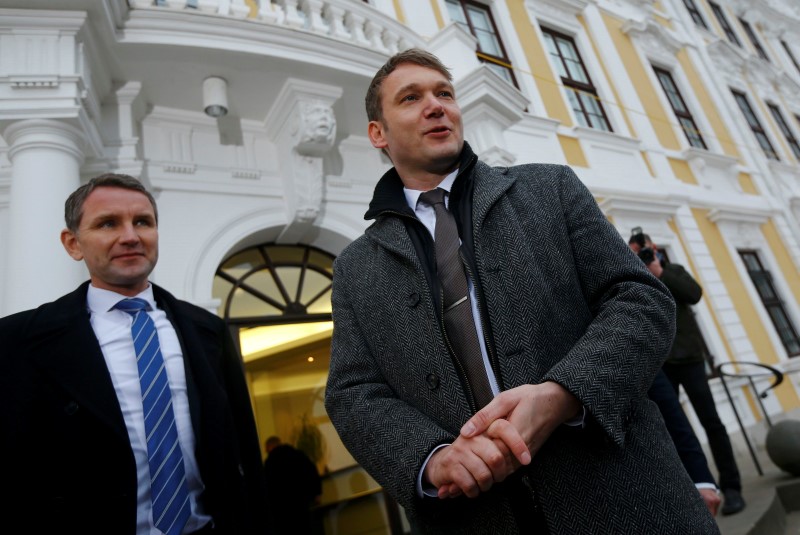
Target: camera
x=646, y=254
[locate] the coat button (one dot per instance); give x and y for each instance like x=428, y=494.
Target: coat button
x=413, y=299
x=433, y=381
x=71, y=408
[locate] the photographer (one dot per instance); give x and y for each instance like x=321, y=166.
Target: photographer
x=685, y=364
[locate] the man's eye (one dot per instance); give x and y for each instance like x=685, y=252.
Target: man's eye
x=447, y=94
x=143, y=223
x=106, y=224
x=408, y=98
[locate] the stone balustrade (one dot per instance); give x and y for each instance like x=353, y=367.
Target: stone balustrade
x=344, y=20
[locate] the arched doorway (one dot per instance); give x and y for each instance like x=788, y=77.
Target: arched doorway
x=276, y=299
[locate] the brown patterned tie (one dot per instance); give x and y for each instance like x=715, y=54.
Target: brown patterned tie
x=456, y=310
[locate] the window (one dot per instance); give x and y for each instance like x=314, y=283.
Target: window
x=762, y=280
x=726, y=26
x=787, y=132
x=681, y=110
x=755, y=125
x=691, y=7
x=754, y=39
x=581, y=93
x=477, y=20
x=791, y=56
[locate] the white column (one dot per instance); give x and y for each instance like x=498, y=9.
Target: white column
x=46, y=158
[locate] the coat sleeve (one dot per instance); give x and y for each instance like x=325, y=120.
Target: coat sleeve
x=681, y=285
x=242, y=411
x=612, y=365
x=386, y=435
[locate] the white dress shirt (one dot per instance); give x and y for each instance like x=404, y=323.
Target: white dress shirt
x=112, y=328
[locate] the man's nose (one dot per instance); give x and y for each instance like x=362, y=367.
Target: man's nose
x=129, y=234
x=433, y=107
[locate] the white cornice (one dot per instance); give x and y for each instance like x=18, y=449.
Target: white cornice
x=558, y=14
x=729, y=61
x=656, y=42
x=20, y=20
x=607, y=138
x=484, y=86
x=663, y=207
x=751, y=216
x=708, y=158
x=453, y=31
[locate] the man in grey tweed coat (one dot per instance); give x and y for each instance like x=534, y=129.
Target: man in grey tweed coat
x=571, y=325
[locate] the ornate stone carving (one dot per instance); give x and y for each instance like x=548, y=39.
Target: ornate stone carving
x=317, y=128
x=302, y=123
x=655, y=41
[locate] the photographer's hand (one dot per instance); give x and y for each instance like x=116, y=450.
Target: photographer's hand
x=655, y=268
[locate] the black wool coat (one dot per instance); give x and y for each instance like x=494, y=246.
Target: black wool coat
x=69, y=467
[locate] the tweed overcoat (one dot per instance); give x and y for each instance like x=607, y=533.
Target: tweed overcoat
x=568, y=302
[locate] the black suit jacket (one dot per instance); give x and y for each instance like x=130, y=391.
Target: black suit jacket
x=69, y=464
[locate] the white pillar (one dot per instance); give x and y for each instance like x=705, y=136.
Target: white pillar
x=46, y=158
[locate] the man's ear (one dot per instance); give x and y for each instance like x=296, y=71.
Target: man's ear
x=70, y=242
x=375, y=130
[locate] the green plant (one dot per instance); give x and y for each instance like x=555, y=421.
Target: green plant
x=310, y=440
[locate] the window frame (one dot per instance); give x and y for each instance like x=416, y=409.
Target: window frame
x=723, y=21
x=576, y=85
x=762, y=277
x=756, y=128
x=783, y=126
x=503, y=61
x=686, y=113
x=791, y=55
x=751, y=35
x=694, y=12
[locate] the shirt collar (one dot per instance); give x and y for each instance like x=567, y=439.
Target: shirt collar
x=412, y=195
x=99, y=300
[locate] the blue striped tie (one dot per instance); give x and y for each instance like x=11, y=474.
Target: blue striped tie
x=168, y=490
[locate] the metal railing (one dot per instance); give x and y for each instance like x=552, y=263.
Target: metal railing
x=740, y=373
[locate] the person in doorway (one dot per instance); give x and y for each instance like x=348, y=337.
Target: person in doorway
x=494, y=339
x=686, y=365
x=293, y=488
x=143, y=394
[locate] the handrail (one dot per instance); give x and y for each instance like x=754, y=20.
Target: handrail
x=759, y=395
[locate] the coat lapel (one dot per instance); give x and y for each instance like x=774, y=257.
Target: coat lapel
x=65, y=347
x=391, y=234
x=490, y=185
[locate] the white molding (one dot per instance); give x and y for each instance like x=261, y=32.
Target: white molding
x=738, y=216
x=293, y=91
x=654, y=41
x=638, y=206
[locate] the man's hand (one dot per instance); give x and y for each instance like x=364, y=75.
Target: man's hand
x=534, y=412
x=655, y=268
x=470, y=466
x=711, y=499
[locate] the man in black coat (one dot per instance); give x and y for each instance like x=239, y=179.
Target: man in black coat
x=76, y=444
x=685, y=366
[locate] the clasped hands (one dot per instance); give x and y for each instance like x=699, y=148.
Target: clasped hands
x=500, y=438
